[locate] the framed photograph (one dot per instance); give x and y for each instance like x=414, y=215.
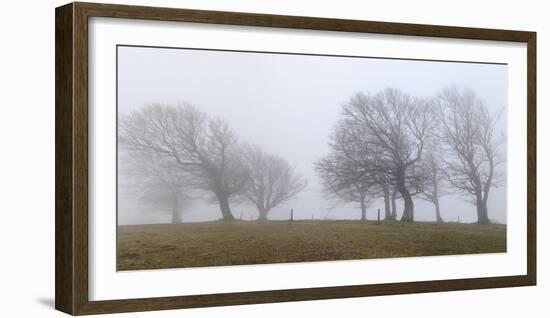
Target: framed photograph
x=211, y=158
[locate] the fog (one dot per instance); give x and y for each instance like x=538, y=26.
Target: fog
x=288, y=105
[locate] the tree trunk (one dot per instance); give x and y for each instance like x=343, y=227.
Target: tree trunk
x=262, y=214
x=363, y=211
x=437, y=211
x=408, y=209
x=393, y=205
x=176, y=217
x=387, y=211
x=224, y=207
x=482, y=215
x=436, y=195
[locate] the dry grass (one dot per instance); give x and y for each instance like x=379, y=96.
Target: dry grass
x=236, y=243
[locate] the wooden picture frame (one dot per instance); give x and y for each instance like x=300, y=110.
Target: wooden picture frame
x=71, y=122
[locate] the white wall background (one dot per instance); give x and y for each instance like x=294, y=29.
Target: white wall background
x=27, y=158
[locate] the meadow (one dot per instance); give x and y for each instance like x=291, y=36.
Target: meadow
x=244, y=242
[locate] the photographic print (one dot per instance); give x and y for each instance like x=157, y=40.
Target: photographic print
x=240, y=158
x=212, y=158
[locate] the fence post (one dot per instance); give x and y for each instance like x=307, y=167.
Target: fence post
x=378, y=216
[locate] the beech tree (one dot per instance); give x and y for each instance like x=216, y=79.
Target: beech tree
x=434, y=186
x=396, y=127
x=203, y=147
x=271, y=180
x=345, y=172
x=160, y=183
x=359, y=192
x=472, y=145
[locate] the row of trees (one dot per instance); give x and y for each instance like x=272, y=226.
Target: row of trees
x=393, y=145
x=175, y=150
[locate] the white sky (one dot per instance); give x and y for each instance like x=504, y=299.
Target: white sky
x=288, y=105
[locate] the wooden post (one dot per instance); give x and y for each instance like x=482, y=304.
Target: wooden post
x=378, y=215
x=291, y=215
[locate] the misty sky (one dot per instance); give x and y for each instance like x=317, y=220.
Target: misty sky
x=288, y=105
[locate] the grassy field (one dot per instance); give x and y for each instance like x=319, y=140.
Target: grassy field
x=236, y=243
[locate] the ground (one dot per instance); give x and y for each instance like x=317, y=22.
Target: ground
x=241, y=242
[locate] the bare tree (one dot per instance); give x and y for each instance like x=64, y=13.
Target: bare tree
x=161, y=184
x=469, y=133
x=434, y=186
x=272, y=180
x=353, y=170
x=359, y=193
x=398, y=127
x=205, y=148
x=345, y=172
